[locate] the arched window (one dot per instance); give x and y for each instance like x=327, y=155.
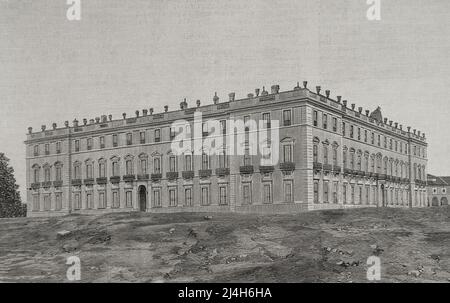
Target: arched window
x=58, y=171
x=46, y=173
x=359, y=162
x=102, y=168
x=372, y=164
x=129, y=170
x=205, y=160
x=36, y=173
x=143, y=162
x=379, y=157
x=325, y=154
x=157, y=165
x=344, y=157
x=89, y=169
x=316, y=150
x=115, y=166
x=385, y=164
x=335, y=157
x=77, y=170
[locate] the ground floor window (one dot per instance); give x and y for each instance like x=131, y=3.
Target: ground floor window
x=129, y=198
x=77, y=201
x=360, y=196
x=267, y=193
x=116, y=199
x=47, y=202
x=188, y=197
x=156, y=198
x=352, y=193
x=316, y=192
x=325, y=191
x=89, y=201
x=344, y=193
x=367, y=194
x=58, y=201
x=173, y=197
x=247, y=194
x=288, y=196
x=205, y=196
x=223, y=195
x=101, y=200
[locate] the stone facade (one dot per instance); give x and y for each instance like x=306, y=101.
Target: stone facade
x=331, y=156
x=438, y=190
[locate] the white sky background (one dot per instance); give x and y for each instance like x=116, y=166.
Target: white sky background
x=128, y=55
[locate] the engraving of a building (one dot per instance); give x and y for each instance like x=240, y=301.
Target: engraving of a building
x=331, y=155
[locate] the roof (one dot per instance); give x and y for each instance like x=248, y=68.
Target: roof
x=438, y=181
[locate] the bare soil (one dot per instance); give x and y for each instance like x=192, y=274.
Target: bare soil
x=322, y=246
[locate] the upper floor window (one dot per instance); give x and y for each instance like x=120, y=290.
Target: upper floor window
x=351, y=131
x=157, y=165
x=36, y=150
x=385, y=142
x=223, y=163
x=157, y=135
x=223, y=127
x=205, y=131
x=47, y=173
x=115, y=168
x=36, y=173
x=172, y=164
x=365, y=135
x=58, y=172
x=343, y=129
x=325, y=121
x=372, y=139
x=359, y=134
x=379, y=140
x=390, y=144
x=315, y=153
x=325, y=154
x=142, y=137
x=172, y=133
x=205, y=161
x=47, y=149
x=266, y=119
x=89, y=143
x=58, y=147
x=101, y=169
x=247, y=157
x=129, y=167
x=102, y=142
x=89, y=170
x=287, y=115
x=129, y=138
x=188, y=162
x=287, y=153
x=77, y=170
x=143, y=165
x=335, y=124
x=315, y=118
x=77, y=145
x=335, y=160
x=115, y=140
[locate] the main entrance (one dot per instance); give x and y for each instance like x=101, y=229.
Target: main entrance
x=142, y=198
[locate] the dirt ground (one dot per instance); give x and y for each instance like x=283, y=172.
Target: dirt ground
x=325, y=246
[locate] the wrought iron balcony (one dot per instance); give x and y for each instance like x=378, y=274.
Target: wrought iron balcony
x=287, y=166
x=189, y=174
x=246, y=169
x=172, y=175
x=223, y=171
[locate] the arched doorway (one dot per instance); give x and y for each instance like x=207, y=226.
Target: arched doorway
x=435, y=202
x=444, y=201
x=142, y=198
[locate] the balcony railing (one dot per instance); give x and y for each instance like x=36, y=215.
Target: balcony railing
x=348, y=171
x=102, y=180
x=336, y=169
x=172, y=175
x=143, y=177
x=57, y=183
x=205, y=173
x=246, y=169
x=89, y=181
x=382, y=177
x=287, y=166
x=223, y=171
x=327, y=167
x=129, y=178
x=76, y=182
x=189, y=174
x=114, y=179
x=266, y=169
x=156, y=177
x=46, y=184
x=317, y=166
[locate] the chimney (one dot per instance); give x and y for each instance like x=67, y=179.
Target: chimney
x=318, y=90
x=275, y=89
x=257, y=92
x=250, y=96
x=423, y=135
x=151, y=111
x=401, y=127
x=264, y=92
x=137, y=113
x=360, y=109
x=43, y=127
x=104, y=119
x=215, y=98
x=231, y=96
x=198, y=103
x=414, y=130
x=418, y=133
x=298, y=86
x=110, y=117
x=54, y=125
x=390, y=122
x=327, y=93
x=66, y=123
x=166, y=108
x=367, y=113
x=409, y=129
x=183, y=105
x=353, y=106
x=339, y=99
x=385, y=120
x=144, y=112
x=344, y=103
x=75, y=123
x=91, y=121
x=85, y=121
x=396, y=124
x=305, y=84
x=97, y=120
x=124, y=115
x=30, y=130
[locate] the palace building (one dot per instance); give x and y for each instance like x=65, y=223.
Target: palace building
x=331, y=155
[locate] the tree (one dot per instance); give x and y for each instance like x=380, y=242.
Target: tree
x=10, y=203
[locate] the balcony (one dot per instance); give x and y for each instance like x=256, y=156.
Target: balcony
x=114, y=179
x=76, y=182
x=336, y=169
x=89, y=181
x=172, y=175
x=156, y=177
x=287, y=166
x=246, y=169
x=348, y=171
x=205, y=173
x=57, y=183
x=143, y=177
x=101, y=180
x=317, y=166
x=129, y=178
x=382, y=177
x=188, y=174
x=46, y=184
x=222, y=171
x=266, y=169
x=35, y=185
x=361, y=173
x=327, y=167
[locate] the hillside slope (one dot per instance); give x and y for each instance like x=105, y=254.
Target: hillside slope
x=326, y=246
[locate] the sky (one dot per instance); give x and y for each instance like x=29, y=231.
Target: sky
x=128, y=55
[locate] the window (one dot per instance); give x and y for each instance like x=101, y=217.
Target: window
x=205, y=131
x=315, y=118
x=188, y=197
x=344, y=158
x=396, y=145
x=115, y=169
x=365, y=135
x=157, y=198
x=143, y=166
x=360, y=196
x=223, y=127
x=157, y=165
x=129, y=198
x=102, y=142
x=89, y=171
x=247, y=157
x=129, y=167
x=89, y=143
x=267, y=193
x=352, y=193
x=172, y=164
x=101, y=169
x=58, y=147
x=58, y=201
x=343, y=129
x=223, y=195
x=390, y=144
x=36, y=150
x=205, y=195
x=401, y=147
x=325, y=191
x=115, y=200
x=287, y=153
x=89, y=201
x=77, y=145
x=172, y=133
x=372, y=138
x=288, y=197
x=335, y=161
x=58, y=175
x=188, y=162
x=266, y=119
x=334, y=124
x=325, y=154
x=344, y=193
x=351, y=131
x=36, y=203
x=316, y=191
x=47, y=150
x=359, y=162
x=325, y=121
x=385, y=141
x=205, y=161
x=352, y=160
x=47, y=173
x=47, y=203
x=372, y=164
x=115, y=140
x=76, y=201
x=335, y=192
x=315, y=153
x=247, y=129
x=223, y=163
x=287, y=117
x=77, y=171
x=247, y=194
x=379, y=140
x=101, y=200
x=129, y=138
x=359, y=134
x=157, y=135
x=142, y=137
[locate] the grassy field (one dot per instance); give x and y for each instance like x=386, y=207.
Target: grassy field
x=325, y=246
